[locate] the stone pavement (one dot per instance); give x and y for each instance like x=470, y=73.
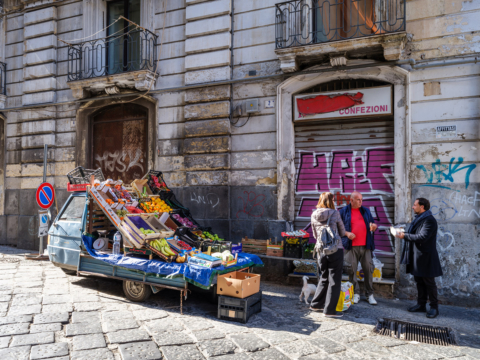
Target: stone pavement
x=46, y=314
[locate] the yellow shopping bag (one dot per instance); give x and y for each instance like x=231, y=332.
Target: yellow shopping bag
x=346, y=296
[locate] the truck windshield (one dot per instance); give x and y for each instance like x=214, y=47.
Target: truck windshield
x=74, y=209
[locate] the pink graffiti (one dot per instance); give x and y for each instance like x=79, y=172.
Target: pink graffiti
x=252, y=204
x=368, y=173
x=377, y=207
x=344, y=171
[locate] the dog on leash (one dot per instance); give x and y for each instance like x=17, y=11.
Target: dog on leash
x=307, y=290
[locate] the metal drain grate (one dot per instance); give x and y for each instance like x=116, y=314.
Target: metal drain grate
x=428, y=334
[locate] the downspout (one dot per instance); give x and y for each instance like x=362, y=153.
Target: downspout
x=232, y=21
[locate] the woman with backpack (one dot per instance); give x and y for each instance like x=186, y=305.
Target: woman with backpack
x=327, y=229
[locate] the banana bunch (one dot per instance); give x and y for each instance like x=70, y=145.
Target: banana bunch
x=162, y=246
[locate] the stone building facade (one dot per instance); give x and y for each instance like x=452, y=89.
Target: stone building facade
x=209, y=91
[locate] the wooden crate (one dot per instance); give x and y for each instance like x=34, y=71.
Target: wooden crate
x=274, y=250
x=254, y=246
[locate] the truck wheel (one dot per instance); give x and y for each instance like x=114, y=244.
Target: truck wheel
x=136, y=291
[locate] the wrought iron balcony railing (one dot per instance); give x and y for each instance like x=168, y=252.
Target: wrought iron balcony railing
x=135, y=50
x=305, y=22
x=3, y=78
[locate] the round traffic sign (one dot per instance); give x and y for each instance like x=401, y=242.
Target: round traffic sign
x=44, y=219
x=45, y=195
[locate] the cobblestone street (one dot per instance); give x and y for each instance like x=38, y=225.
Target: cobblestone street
x=46, y=314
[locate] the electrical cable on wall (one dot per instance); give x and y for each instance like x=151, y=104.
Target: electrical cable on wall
x=234, y=124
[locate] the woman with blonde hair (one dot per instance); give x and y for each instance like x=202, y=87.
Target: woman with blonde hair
x=330, y=267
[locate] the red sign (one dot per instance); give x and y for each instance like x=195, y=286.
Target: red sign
x=45, y=195
x=350, y=103
x=77, y=187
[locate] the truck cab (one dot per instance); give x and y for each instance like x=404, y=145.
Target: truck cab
x=65, y=234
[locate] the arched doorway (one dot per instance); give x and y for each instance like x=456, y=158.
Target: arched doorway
x=286, y=153
x=119, y=141
x=346, y=153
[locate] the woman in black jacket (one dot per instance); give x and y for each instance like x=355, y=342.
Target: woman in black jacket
x=421, y=256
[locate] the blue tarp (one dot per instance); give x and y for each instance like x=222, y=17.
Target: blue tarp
x=194, y=274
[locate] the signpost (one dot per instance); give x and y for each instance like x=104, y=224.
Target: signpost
x=45, y=197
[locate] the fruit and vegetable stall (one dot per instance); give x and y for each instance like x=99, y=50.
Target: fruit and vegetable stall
x=143, y=227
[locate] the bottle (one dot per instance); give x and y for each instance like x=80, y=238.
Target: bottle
x=116, y=243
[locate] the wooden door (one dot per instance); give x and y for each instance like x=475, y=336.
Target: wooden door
x=119, y=138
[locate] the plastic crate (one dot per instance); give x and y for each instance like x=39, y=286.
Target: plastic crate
x=239, y=310
x=159, y=175
x=80, y=175
x=293, y=251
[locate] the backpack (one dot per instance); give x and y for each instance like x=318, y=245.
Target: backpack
x=327, y=242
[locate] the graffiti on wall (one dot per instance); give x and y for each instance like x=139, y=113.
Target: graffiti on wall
x=116, y=161
x=443, y=173
x=251, y=204
x=346, y=171
x=456, y=205
x=370, y=172
x=209, y=199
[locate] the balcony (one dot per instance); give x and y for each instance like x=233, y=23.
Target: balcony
x=3, y=84
x=308, y=29
x=126, y=61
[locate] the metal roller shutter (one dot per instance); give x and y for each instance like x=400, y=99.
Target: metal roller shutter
x=343, y=156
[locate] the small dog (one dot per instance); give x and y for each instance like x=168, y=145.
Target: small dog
x=307, y=290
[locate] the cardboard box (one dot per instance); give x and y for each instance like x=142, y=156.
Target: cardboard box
x=238, y=284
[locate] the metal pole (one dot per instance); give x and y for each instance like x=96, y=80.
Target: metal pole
x=45, y=154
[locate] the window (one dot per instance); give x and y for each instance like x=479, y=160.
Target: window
x=124, y=47
x=74, y=210
x=344, y=19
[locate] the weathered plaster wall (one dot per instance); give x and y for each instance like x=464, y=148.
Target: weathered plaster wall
x=443, y=28
x=446, y=171
x=36, y=74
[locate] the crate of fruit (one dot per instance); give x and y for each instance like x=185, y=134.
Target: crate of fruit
x=295, y=237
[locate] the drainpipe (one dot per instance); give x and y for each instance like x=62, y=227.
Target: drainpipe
x=231, y=59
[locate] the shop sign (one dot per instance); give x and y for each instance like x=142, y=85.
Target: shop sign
x=76, y=187
x=367, y=102
x=45, y=195
x=449, y=131
x=43, y=223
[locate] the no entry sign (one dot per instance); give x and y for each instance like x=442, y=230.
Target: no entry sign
x=45, y=195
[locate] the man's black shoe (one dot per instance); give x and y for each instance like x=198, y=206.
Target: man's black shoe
x=432, y=313
x=418, y=308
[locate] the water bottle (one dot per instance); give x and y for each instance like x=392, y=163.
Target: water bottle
x=116, y=243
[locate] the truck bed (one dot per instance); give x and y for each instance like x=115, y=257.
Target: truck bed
x=91, y=266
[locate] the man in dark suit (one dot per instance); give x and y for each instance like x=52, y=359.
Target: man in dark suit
x=421, y=256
